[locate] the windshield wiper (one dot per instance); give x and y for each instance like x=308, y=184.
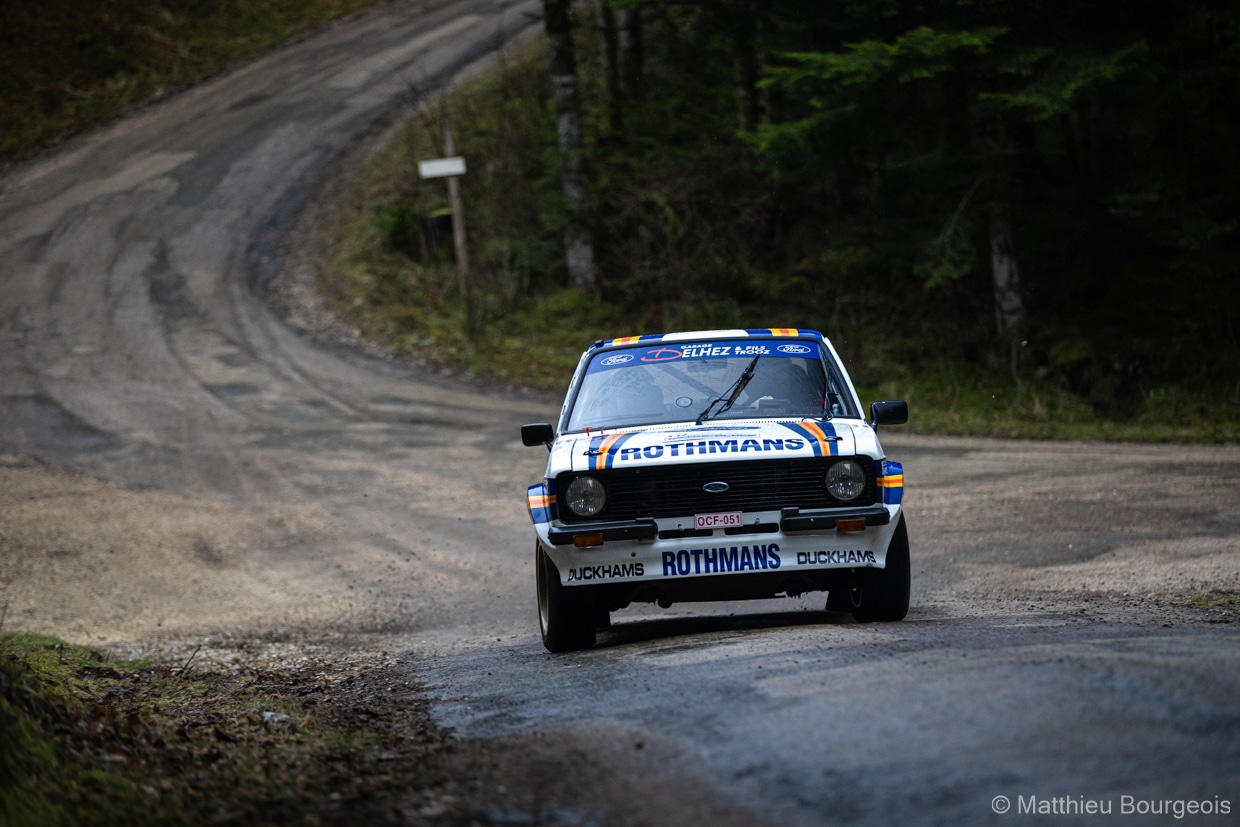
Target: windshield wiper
x=828, y=404
x=731, y=393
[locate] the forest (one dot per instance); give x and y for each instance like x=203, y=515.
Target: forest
x=1022, y=214
x=1047, y=189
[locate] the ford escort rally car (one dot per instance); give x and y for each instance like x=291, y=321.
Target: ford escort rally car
x=715, y=465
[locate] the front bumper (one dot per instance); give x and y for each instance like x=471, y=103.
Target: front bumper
x=661, y=551
x=790, y=520
x=610, y=532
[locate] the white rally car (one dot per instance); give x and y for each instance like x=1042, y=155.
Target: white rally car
x=715, y=465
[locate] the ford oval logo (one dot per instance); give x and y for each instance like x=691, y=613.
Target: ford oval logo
x=715, y=487
x=618, y=359
x=794, y=348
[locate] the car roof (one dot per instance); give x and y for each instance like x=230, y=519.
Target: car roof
x=699, y=335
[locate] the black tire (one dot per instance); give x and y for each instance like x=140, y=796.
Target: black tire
x=885, y=592
x=565, y=616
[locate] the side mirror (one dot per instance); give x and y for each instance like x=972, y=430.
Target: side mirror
x=539, y=434
x=889, y=412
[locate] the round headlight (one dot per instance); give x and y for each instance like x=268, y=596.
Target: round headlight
x=585, y=496
x=845, y=480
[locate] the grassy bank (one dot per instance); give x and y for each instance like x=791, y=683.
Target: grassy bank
x=389, y=272
x=66, y=65
x=92, y=740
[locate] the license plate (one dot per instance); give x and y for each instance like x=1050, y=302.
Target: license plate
x=726, y=520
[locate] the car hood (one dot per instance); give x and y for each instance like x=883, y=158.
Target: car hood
x=712, y=442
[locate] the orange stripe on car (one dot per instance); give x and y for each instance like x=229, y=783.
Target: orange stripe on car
x=824, y=444
x=599, y=460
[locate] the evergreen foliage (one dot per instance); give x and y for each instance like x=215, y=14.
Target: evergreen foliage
x=893, y=133
x=853, y=166
x=1111, y=126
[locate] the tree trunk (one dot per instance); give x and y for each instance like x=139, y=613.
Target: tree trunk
x=458, y=235
x=611, y=66
x=632, y=53
x=1005, y=275
x=578, y=240
x=746, y=65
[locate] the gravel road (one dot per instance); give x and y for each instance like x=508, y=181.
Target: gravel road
x=180, y=465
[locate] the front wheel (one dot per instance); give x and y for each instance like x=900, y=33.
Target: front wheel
x=566, y=616
x=884, y=593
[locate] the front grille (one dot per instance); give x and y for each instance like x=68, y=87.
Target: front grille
x=676, y=490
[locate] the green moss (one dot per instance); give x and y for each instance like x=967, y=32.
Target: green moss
x=41, y=693
x=1216, y=600
x=91, y=740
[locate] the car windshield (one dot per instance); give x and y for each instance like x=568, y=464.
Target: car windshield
x=666, y=383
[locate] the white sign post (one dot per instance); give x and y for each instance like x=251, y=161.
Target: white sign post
x=450, y=167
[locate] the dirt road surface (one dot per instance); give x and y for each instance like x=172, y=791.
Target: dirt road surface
x=179, y=466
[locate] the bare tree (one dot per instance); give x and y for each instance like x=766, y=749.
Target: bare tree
x=611, y=66
x=1004, y=268
x=1005, y=275
x=632, y=53
x=745, y=60
x=578, y=240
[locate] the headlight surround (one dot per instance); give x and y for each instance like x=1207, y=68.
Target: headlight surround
x=585, y=496
x=846, y=480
